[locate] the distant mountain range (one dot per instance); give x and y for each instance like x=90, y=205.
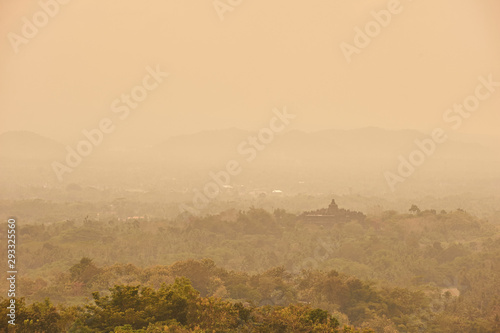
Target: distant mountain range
x=219, y=145
x=365, y=143
x=28, y=145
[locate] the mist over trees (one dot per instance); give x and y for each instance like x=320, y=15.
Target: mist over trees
x=420, y=271
x=231, y=166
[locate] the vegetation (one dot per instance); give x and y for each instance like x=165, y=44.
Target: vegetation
x=262, y=271
x=171, y=308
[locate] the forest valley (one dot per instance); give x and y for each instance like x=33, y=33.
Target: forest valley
x=330, y=270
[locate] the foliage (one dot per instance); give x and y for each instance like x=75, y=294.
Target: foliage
x=392, y=272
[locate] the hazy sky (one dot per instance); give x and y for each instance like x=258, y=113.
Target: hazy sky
x=231, y=73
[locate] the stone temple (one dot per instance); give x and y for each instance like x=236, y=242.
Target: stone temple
x=332, y=214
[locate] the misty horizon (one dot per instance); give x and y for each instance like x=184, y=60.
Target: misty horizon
x=250, y=166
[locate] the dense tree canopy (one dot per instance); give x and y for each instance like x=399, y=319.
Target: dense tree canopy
x=425, y=271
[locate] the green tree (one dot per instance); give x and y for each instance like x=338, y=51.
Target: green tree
x=414, y=209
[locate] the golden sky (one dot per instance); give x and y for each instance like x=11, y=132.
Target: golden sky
x=232, y=72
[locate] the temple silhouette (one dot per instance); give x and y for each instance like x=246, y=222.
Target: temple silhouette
x=332, y=214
